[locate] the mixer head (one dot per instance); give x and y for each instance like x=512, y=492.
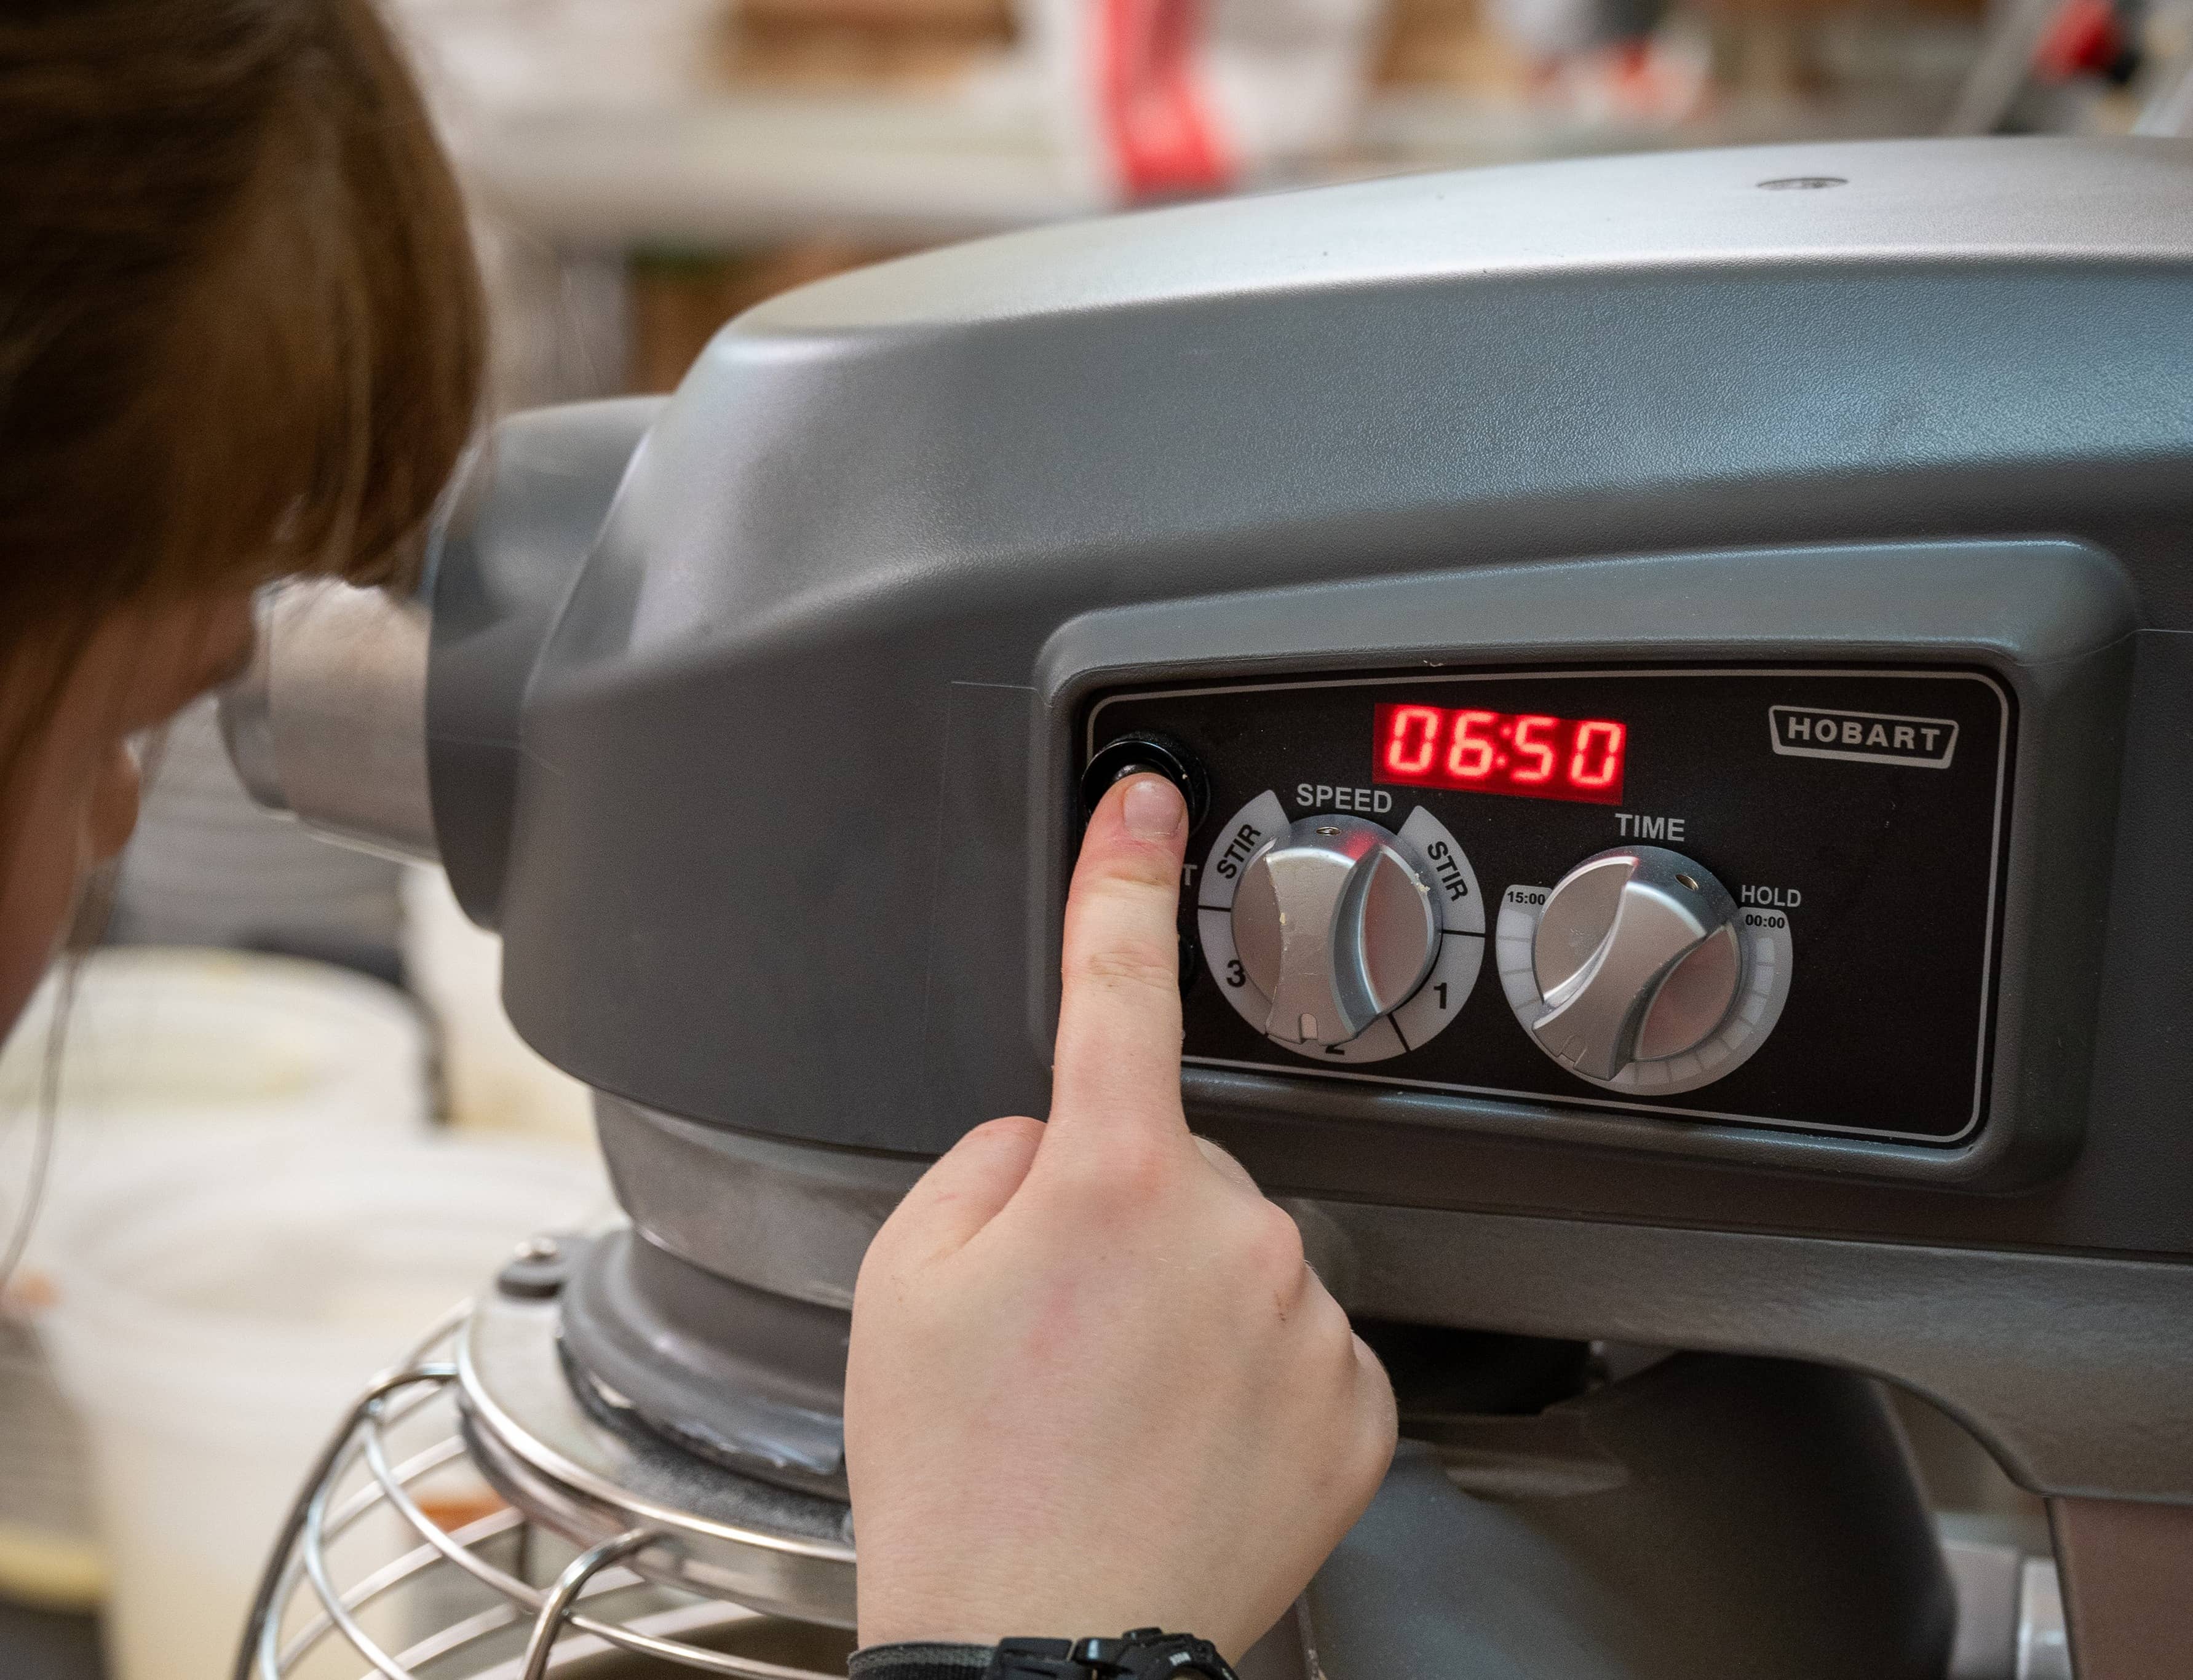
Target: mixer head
x=1678, y=678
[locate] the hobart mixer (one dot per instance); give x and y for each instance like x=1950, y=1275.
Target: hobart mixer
x=1681, y=667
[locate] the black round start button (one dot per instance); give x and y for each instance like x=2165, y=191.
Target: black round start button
x=1125, y=755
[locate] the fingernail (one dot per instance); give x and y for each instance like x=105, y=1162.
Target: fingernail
x=1153, y=808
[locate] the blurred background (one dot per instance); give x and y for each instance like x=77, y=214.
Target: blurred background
x=280, y=1042
x=646, y=168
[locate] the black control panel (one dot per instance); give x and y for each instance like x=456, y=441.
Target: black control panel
x=1855, y=818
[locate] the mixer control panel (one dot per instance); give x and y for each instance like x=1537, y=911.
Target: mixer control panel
x=1767, y=897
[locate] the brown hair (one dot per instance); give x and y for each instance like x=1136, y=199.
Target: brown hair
x=240, y=327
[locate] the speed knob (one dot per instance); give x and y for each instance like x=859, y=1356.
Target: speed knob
x=1334, y=921
x=1637, y=958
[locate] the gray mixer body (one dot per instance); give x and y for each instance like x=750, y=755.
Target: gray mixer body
x=756, y=720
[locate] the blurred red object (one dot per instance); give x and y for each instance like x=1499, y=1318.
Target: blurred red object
x=1151, y=104
x=2084, y=38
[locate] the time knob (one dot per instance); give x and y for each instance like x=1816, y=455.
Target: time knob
x=1334, y=921
x=1638, y=958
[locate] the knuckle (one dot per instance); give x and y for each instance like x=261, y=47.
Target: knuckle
x=1141, y=1170
x=1141, y=867
x=1005, y=1129
x=1222, y=1162
x=1380, y=1429
x=1112, y=903
x=1273, y=1247
x=1369, y=1463
x=1126, y=965
x=1128, y=1173
x=1334, y=1333
x=879, y=1273
x=1380, y=1411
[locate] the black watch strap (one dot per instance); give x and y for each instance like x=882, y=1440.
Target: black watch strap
x=1144, y=1654
x=920, y=1662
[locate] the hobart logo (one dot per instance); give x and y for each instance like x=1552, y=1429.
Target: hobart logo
x=1869, y=737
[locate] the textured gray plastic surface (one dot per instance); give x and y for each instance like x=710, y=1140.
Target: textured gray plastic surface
x=772, y=853
x=2073, y=1369
x=525, y=516
x=786, y=830
x=1717, y=1516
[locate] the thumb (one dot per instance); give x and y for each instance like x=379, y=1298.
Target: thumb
x=963, y=1191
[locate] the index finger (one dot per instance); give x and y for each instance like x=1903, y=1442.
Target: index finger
x=1117, y=1064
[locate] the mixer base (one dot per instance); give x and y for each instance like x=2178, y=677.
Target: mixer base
x=614, y=1542
x=750, y=1379
x=1703, y=1512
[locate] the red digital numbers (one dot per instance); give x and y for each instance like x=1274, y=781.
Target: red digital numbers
x=1516, y=752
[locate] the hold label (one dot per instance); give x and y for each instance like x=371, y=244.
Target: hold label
x=1777, y=898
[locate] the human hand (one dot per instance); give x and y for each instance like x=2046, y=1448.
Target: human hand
x=1093, y=1384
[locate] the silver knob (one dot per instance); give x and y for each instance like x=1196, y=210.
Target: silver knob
x=1637, y=958
x=1335, y=923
